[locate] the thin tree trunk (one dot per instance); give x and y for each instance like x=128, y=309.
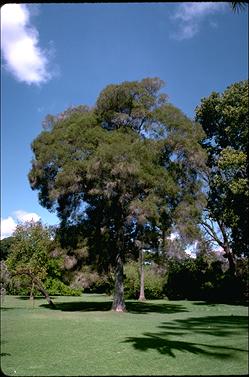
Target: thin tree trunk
x=118, y=299
x=31, y=297
x=38, y=284
x=228, y=252
x=230, y=258
x=141, y=262
x=44, y=292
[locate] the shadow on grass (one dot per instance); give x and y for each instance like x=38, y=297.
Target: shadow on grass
x=134, y=307
x=220, y=326
x=218, y=302
x=81, y=306
x=35, y=298
x=137, y=307
x=213, y=325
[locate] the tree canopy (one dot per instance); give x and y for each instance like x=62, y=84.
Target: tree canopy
x=29, y=255
x=130, y=162
x=224, y=118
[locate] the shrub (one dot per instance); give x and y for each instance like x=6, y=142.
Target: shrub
x=56, y=287
x=153, y=281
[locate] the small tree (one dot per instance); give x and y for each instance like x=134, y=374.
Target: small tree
x=29, y=255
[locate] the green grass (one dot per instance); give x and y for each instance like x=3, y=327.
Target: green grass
x=82, y=337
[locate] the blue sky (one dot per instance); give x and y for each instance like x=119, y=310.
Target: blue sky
x=58, y=55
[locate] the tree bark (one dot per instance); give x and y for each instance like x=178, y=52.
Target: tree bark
x=141, y=262
x=31, y=297
x=223, y=243
x=229, y=255
x=118, y=299
x=228, y=252
x=44, y=292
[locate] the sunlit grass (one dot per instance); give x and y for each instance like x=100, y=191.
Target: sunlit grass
x=83, y=337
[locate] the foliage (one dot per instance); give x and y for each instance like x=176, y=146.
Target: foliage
x=5, y=244
x=131, y=162
x=30, y=249
x=29, y=259
x=224, y=118
x=153, y=281
x=4, y=278
x=182, y=282
x=206, y=278
x=57, y=287
x=91, y=281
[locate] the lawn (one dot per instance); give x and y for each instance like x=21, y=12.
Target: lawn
x=82, y=337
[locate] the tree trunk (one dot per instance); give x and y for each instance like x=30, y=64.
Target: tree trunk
x=38, y=284
x=31, y=297
x=141, y=262
x=229, y=255
x=118, y=299
x=44, y=292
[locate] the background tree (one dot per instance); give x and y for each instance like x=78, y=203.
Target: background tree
x=5, y=244
x=119, y=168
x=29, y=255
x=224, y=118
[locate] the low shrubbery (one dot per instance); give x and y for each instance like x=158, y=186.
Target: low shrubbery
x=55, y=287
x=187, y=279
x=154, y=281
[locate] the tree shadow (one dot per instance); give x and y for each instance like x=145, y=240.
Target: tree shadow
x=4, y=353
x=220, y=326
x=218, y=302
x=138, y=307
x=35, y=298
x=133, y=307
x=81, y=306
x=216, y=326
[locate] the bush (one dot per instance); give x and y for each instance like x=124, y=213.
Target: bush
x=56, y=287
x=183, y=280
x=131, y=281
x=153, y=281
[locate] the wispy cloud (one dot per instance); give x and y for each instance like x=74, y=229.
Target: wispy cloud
x=20, y=46
x=189, y=16
x=9, y=224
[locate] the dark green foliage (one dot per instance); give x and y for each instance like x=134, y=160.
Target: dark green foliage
x=182, y=282
x=224, y=117
x=211, y=280
x=129, y=164
x=56, y=287
x=5, y=244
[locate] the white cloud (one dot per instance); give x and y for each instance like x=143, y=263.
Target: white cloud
x=23, y=216
x=9, y=224
x=189, y=16
x=19, y=42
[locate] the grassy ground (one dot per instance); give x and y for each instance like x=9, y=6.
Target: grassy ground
x=82, y=337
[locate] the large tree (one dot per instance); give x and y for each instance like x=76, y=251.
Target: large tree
x=129, y=163
x=224, y=118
